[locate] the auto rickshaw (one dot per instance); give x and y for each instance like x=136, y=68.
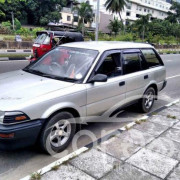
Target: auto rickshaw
x=46, y=40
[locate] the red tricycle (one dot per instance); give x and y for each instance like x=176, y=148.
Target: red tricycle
x=47, y=40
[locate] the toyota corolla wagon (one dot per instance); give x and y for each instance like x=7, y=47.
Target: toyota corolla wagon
x=44, y=102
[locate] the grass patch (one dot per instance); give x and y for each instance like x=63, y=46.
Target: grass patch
x=154, y=113
x=55, y=167
x=171, y=117
x=6, y=37
x=14, y=55
x=138, y=122
x=36, y=176
x=143, y=120
x=167, y=51
x=127, y=128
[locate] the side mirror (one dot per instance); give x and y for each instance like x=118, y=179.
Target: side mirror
x=99, y=78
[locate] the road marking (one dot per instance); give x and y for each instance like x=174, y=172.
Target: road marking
x=171, y=77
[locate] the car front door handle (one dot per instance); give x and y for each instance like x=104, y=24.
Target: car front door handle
x=146, y=77
x=122, y=83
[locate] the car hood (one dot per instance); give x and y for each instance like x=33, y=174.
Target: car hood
x=18, y=87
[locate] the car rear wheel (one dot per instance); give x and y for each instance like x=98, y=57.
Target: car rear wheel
x=58, y=133
x=146, y=103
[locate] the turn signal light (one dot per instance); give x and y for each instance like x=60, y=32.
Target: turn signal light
x=7, y=135
x=20, y=118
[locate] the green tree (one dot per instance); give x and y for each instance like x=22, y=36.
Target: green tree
x=17, y=24
x=115, y=26
x=143, y=25
x=15, y=6
x=174, y=17
x=85, y=13
x=43, y=11
x=2, y=16
x=116, y=6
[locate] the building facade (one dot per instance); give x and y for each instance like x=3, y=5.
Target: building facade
x=135, y=8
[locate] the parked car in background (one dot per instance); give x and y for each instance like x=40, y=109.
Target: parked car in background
x=45, y=101
x=18, y=38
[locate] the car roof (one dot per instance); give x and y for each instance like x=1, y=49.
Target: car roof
x=107, y=45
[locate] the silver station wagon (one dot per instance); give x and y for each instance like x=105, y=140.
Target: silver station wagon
x=45, y=101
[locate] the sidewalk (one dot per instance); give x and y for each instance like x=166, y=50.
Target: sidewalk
x=149, y=150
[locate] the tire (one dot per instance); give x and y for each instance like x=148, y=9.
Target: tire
x=146, y=103
x=58, y=133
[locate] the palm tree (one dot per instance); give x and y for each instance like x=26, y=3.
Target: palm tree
x=143, y=24
x=85, y=13
x=115, y=25
x=116, y=6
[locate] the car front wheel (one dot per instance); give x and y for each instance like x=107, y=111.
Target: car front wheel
x=147, y=101
x=58, y=133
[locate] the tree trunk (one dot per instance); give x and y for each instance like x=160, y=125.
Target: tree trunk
x=122, y=23
x=83, y=27
x=143, y=32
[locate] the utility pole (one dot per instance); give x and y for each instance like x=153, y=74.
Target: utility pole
x=97, y=20
x=12, y=19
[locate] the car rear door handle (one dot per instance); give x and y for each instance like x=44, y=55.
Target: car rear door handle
x=146, y=77
x=122, y=83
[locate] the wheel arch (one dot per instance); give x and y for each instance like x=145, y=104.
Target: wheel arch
x=154, y=86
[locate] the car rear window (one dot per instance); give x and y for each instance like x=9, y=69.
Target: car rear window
x=151, y=57
x=131, y=63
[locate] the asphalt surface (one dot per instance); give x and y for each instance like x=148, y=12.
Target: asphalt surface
x=17, y=164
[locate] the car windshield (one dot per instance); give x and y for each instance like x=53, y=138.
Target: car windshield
x=64, y=63
x=43, y=39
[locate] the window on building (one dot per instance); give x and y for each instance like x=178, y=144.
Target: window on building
x=68, y=18
x=128, y=5
x=144, y=10
x=76, y=18
x=138, y=15
x=128, y=13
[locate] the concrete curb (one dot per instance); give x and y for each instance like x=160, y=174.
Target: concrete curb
x=14, y=58
x=16, y=50
x=98, y=141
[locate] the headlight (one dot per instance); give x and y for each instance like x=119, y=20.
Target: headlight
x=13, y=117
x=1, y=116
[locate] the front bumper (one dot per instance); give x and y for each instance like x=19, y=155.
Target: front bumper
x=25, y=134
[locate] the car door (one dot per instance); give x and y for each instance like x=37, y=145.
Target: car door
x=155, y=67
x=105, y=96
x=134, y=72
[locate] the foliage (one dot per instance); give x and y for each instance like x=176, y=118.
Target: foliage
x=85, y=13
x=142, y=25
x=2, y=16
x=116, y=6
x=6, y=26
x=174, y=17
x=35, y=12
x=115, y=26
x=17, y=24
x=23, y=31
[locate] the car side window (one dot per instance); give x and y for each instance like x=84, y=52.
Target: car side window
x=132, y=62
x=151, y=57
x=111, y=66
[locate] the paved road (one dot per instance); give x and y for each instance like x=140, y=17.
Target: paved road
x=17, y=164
